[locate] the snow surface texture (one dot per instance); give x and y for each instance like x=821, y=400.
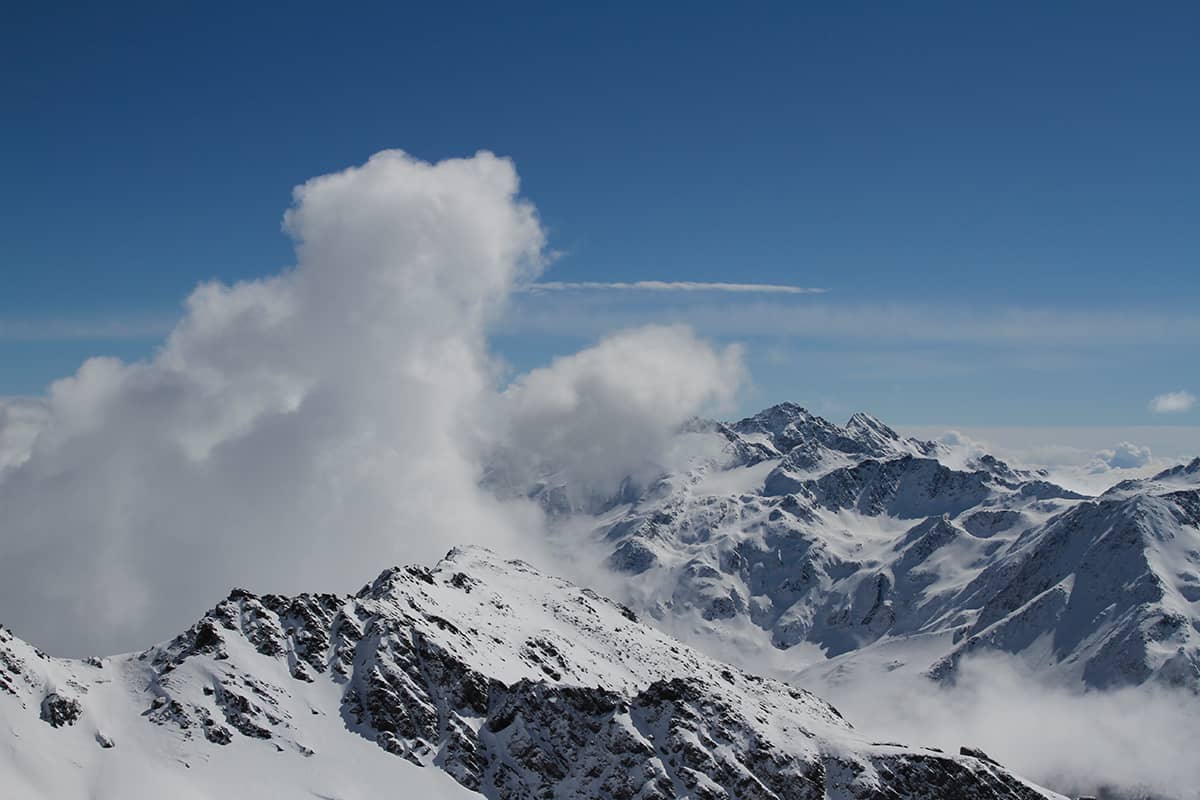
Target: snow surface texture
x=480, y=675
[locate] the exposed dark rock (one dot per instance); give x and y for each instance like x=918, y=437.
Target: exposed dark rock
x=59, y=710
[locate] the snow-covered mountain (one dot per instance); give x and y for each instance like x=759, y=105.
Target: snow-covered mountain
x=890, y=553
x=485, y=676
x=478, y=676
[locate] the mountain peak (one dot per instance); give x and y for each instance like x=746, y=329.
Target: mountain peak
x=863, y=425
x=775, y=419
x=1179, y=478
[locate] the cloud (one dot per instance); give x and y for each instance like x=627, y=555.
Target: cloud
x=302, y=431
x=1173, y=402
x=1133, y=740
x=672, y=286
x=1069, y=455
x=20, y=420
x=956, y=439
x=1126, y=455
x=612, y=411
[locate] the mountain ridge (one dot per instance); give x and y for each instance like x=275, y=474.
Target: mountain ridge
x=855, y=537
x=513, y=683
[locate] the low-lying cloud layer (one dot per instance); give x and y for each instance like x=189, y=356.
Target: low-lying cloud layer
x=302, y=431
x=1090, y=470
x=1130, y=743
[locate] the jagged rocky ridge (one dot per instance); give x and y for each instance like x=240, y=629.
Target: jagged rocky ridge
x=864, y=542
x=516, y=684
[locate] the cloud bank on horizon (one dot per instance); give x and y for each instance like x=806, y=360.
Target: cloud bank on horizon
x=303, y=430
x=1081, y=465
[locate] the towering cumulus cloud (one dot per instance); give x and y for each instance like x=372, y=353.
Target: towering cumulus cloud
x=307, y=429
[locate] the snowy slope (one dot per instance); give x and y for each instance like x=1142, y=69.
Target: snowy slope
x=106, y=730
x=882, y=549
x=479, y=675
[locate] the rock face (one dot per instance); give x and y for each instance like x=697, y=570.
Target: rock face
x=515, y=684
x=859, y=541
x=59, y=710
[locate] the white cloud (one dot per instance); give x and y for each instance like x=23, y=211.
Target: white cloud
x=1073, y=456
x=611, y=411
x=20, y=420
x=1126, y=455
x=1131, y=742
x=1173, y=402
x=672, y=286
x=962, y=448
x=1135, y=741
x=303, y=431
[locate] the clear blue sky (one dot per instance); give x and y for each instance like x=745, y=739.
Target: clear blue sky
x=1013, y=189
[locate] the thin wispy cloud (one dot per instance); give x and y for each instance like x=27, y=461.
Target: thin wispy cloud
x=60, y=329
x=1173, y=402
x=672, y=286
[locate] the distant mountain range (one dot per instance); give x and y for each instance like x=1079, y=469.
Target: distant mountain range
x=870, y=546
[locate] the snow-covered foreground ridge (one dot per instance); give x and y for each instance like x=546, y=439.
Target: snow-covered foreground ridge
x=513, y=683
x=891, y=553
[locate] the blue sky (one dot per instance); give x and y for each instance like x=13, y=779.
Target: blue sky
x=1002, y=201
